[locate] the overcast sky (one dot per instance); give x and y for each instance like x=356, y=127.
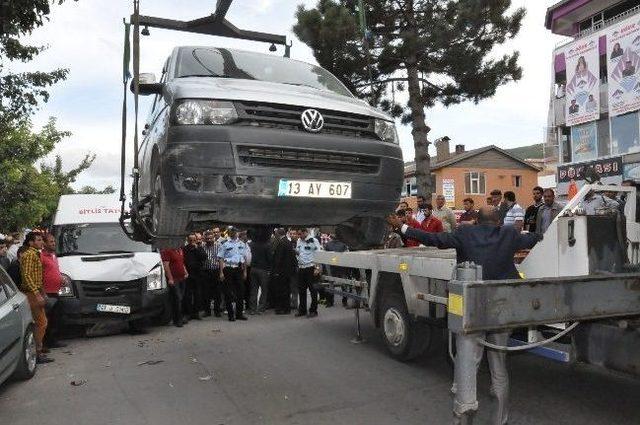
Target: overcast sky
x=87, y=37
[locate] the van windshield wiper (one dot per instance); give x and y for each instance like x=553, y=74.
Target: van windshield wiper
x=206, y=76
x=116, y=251
x=63, y=254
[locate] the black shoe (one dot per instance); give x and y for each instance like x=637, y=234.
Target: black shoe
x=300, y=314
x=42, y=359
x=242, y=318
x=232, y=319
x=56, y=344
x=178, y=324
x=312, y=314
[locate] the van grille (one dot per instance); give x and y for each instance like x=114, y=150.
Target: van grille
x=287, y=117
x=93, y=289
x=307, y=160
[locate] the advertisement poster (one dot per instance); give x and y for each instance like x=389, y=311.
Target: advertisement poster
x=632, y=171
x=623, y=63
x=583, y=85
x=584, y=142
x=449, y=192
x=608, y=169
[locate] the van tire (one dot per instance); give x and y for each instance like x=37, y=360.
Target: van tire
x=362, y=233
x=404, y=337
x=27, y=366
x=165, y=220
x=164, y=318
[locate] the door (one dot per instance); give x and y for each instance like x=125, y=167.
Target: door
x=10, y=324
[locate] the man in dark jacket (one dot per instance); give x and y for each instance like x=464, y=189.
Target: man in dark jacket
x=487, y=244
x=284, y=268
x=492, y=247
x=194, y=260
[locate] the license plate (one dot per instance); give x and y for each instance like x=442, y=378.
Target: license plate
x=121, y=309
x=314, y=189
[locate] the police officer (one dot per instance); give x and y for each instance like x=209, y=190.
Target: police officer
x=306, y=247
x=233, y=273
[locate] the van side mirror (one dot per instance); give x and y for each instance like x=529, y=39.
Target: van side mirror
x=147, y=84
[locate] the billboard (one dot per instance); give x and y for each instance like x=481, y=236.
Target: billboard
x=623, y=64
x=584, y=142
x=609, y=169
x=449, y=192
x=583, y=82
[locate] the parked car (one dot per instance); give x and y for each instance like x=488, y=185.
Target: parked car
x=17, y=342
x=245, y=138
x=106, y=276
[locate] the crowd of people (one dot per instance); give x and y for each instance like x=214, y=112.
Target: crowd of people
x=32, y=264
x=238, y=272
x=535, y=219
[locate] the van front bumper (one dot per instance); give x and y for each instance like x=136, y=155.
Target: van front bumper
x=82, y=309
x=232, y=174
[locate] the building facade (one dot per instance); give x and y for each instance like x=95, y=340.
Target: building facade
x=474, y=174
x=595, y=94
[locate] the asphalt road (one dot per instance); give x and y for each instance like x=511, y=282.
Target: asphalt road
x=282, y=370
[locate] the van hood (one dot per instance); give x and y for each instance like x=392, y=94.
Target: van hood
x=109, y=267
x=264, y=91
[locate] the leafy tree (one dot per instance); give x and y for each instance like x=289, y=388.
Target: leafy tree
x=90, y=190
x=439, y=51
x=20, y=93
x=29, y=192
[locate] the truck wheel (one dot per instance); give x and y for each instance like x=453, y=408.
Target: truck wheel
x=27, y=363
x=405, y=338
x=166, y=221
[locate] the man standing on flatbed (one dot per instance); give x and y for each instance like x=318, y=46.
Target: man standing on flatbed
x=492, y=247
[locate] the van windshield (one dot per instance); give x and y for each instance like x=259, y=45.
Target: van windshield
x=223, y=63
x=98, y=238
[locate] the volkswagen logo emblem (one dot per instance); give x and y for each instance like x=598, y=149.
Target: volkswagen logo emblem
x=312, y=120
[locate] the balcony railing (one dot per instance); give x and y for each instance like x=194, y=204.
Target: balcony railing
x=601, y=25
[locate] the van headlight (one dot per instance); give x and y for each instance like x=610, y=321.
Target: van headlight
x=204, y=112
x=66, y=288
x=155, y=280
x=386, y=130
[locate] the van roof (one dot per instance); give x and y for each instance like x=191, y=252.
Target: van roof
x=76, y=209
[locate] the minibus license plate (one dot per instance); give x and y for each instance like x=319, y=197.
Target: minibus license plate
x=121, y=309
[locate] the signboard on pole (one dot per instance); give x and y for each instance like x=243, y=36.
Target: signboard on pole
x=449, y=192
x=623, y=64
x=583, y=85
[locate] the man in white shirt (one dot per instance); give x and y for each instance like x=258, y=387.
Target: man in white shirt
x=444, y=214
x=420, y=215
x=515, y=213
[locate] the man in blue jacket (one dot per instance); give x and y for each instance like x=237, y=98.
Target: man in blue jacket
x=493, y=247
x=486, y=244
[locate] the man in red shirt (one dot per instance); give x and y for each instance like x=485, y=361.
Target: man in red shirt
x=176, y=273
x=411, y=222
x=430, y=224
x=51, y=281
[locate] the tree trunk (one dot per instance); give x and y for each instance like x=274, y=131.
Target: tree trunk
x=419, y=133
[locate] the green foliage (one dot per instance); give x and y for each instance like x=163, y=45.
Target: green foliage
x=90, y=190
x=20, y=93
x=29, y=193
